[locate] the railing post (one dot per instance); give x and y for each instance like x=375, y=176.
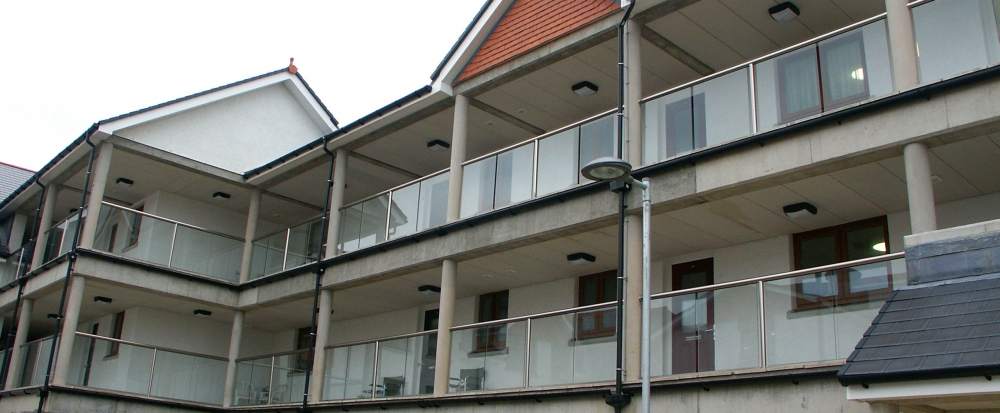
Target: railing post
x=388, y=216
x=534, y=168
x=152, y=373
x=752, y=81
x=527, y=353
x=270, y=382
x=762, y=322
x=173, y=241
x=375, y=370
x=284, y=258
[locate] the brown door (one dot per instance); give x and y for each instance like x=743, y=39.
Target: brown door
x=692, y=321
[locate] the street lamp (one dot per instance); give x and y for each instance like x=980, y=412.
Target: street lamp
x=619, y=173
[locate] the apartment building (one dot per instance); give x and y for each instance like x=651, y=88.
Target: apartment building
x=824, y=180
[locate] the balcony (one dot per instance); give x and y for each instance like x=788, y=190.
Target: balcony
x=286, y=249
x=59, y=238
x=126, y=367
x=155, y=240
x=271, y=379
x=34, y=361
x=16, y=264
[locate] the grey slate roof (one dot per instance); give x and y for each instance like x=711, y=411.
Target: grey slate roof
x=11, y=178
x=949, y=329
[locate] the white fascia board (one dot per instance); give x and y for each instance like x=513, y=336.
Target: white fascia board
x=306, y=99
x=923, y=389
x=110, y=128
x=470, y=45
x=429, y=99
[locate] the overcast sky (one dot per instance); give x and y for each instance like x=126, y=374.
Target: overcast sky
x=69, y=64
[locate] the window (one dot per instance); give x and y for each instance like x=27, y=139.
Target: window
x=303, y=340
x=492, y=306
x=853, y=241
x=823, y=77
x=117, y=325
x=596, y=289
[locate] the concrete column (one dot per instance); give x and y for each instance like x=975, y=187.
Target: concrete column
x=919, y=188
x=633, y=223
x=459, y=137
x=446, y=317
x=45, y=222
x=71, y=317
x=336, y=202
x=319, y=350
x=20, y=337
x=902, y=44
x=98, y=181
x=251, y=232
x=235, y=339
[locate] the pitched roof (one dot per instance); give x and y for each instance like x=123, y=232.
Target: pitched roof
x=947, y=329
x=11, y=178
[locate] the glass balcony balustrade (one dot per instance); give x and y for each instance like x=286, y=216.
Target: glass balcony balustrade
x=286, y=249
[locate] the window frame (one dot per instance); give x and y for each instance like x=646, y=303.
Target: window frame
x=492, y=338
x=599, y=330
x=117, y=327
x=824, y=104
x=844, y=295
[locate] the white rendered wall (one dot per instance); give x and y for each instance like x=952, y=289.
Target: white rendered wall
x=236, y=134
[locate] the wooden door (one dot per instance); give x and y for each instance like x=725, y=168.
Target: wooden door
x=692, y=319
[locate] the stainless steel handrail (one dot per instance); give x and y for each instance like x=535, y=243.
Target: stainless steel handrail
x=273, y=233
x=395, y=188
x=175, y=222
x=542, y=136
x=536, y=316
x=151, y=347
x=389, y=338
x=279, y=354
x=788, y=274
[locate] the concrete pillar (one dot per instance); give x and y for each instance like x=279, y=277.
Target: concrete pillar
x=336, y=202
x=249, y=234
x=919, y=188
x=20, y=337
x=71, y=317
x=98, y=181
x=459, y=137
x=446, y=317
x=902, y=44
x=633, y=223
x=319, y=350
x=235, y=339
x=44, y=223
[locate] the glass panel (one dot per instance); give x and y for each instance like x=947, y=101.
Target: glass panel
x=802, y=329
x=35, y=359
x=514, y=175
x=564, y=350
x=557, y=161
x=268, y=255
x=349, y=371
x=209, y=254
x=954, y=37
x=128, y=371
x=373, y=221
x=132, y=235
x=288, y=379
x=722, y=109
x=253, y=378
x=187, y=377
x=304, y=243
x=350, y=228
x=476, y=368
x=405, y=367
x=597, y=139
x=669, y=126
x=433, y=210
x=478, y=183
x=707, y=331
x=403, y=211
x=69, y=227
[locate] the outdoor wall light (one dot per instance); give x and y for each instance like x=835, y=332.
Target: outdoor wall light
x=578, y=258
x=880, y=247
x=799, y=210
x=102, y=299
x=584, y=88
x=429, y=289
x=606, y=168
x=783, y=12
x=438, y=145
x=124, y=182
x=202, y=313
x=221, y=195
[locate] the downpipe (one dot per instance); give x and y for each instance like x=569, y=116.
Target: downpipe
x=70, y=267
x=319, y=271
x=619, y=399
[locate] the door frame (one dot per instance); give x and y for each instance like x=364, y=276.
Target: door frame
x=705, y=349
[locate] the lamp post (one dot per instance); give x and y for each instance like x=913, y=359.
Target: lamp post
x=619, y=173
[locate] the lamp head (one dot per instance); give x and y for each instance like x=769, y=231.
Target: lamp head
x=606, y=169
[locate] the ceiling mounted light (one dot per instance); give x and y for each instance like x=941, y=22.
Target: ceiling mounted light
x=429, y=289
x=783, y=12
x=202, y=313
x=438, y=145
x=102, y=299
x=880, y=247
x=578, y=258
x=799, y=210
x=584, y=88
x=124, y=182
x=221, y=195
